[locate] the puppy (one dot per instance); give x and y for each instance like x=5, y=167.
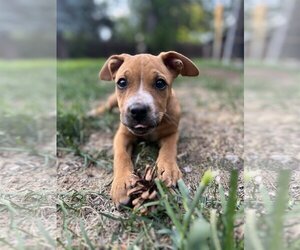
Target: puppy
x=149, y=110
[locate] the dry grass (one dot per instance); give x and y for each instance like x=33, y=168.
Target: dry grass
x=64, y=202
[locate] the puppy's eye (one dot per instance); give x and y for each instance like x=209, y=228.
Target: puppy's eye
x=160, y=84
x=122, y=83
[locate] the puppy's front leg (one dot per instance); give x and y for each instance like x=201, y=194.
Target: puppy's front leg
x=168, y=170
x=108, y=106
x=123, y=168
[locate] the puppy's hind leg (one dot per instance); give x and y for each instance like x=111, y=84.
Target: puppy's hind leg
x=107, y=106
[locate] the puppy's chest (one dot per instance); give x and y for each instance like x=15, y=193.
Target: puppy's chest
x=152, y=137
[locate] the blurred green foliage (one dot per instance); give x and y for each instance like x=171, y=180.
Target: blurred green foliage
x=163, y=23
x=27, y=113
x=153, y=25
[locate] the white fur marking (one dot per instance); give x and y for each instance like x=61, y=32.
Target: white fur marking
x=142, y=76
x=142, y=96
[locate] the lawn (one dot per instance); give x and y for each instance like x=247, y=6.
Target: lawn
x=65, y=204
x=172, y=223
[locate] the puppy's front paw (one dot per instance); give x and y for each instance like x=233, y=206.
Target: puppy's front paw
x=120, y=186
x=169, y=173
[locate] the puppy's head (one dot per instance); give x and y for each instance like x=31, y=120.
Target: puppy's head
x=143, y=86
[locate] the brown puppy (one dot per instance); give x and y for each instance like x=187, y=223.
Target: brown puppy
x=149, y=110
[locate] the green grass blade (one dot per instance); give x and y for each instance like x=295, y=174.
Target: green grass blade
x=214, y=231
x=184, y=191
x=9, y=206
x=222, y=198
x=280, y=205
x=85, y=236
x=46, y=234
x=20, y=240
x=266, y=199
x=205, y=181
x=251, y=231
x=110, y=216
x=5, y=242
x=168, y=207
x=230, y=212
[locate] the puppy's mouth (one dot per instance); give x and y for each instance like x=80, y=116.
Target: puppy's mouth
x=141, y=129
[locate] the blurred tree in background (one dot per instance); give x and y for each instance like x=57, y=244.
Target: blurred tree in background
x=78, y=22
x=27, y=29
x=152, y=25
x=164, y=23
x=99, y=28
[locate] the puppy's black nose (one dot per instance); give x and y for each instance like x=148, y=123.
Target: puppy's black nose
x=138, y=111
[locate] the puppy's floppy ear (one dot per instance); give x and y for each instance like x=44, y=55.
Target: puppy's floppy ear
x=179, y=64
x=111, y=66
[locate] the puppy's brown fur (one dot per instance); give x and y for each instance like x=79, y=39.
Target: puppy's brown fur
x=141, y=72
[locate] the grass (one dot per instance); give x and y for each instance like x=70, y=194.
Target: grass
x=266, y=218
x=173, y=217
x=77, y=88
x=179, y=216
x=187, y=221
x=76, y=212
x=27, y=104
